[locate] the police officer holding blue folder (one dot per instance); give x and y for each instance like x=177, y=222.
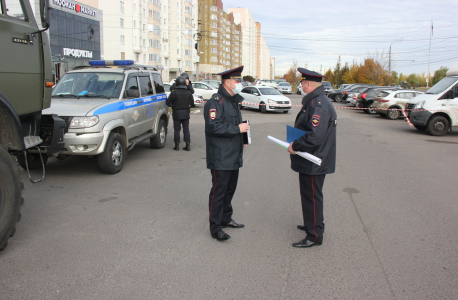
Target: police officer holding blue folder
x=318, y=119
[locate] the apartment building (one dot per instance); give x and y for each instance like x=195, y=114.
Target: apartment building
x=179, y=26
x=272, y=68
x=126, y=31
x=221, y=45
x=243, y=17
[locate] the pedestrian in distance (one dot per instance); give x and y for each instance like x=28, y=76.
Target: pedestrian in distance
x=318, y=119
x=181, y=100
x=224, y=147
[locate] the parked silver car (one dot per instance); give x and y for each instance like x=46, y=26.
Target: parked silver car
x=108, y=110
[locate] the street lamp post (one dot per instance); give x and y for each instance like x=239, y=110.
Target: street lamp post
x=389, y=59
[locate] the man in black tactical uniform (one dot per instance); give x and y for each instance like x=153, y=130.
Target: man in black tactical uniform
x=181, y=100
x=224, y=140
x=318, y=119
x=188, y=83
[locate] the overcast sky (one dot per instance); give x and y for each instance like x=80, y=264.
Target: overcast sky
x=316, y=33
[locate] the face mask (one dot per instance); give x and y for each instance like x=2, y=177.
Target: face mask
x=235, y=91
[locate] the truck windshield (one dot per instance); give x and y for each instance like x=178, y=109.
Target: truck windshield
x=90, y=85
x=442, y=85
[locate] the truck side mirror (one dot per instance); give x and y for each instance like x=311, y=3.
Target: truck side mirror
x=44, y=13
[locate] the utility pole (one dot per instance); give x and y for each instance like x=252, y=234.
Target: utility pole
x=429, y=55
x=389, y=67
x=197, y=38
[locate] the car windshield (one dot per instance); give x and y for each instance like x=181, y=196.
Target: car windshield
x=269, y=91
x=326, y=84
x=284, y=84
x=90, y=85
x=442, y=85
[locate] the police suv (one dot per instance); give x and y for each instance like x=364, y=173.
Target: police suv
x=437, y=109
x=108, y=108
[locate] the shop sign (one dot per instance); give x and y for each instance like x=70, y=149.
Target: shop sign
x=77, y=53
x=76, y=7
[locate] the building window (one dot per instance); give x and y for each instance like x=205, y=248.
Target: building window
x=121, y=23
x=178, y=51
x=150, y=13
x=157, y=15
x=135, y=40
x=123, y=55
x=135, y=24
x=134, y=7
x=121, y=3
x=122, y=40
x=214, y=50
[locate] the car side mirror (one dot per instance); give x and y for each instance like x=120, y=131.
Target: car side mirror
x=44, y=13
x=257, y=94
x=132, y=93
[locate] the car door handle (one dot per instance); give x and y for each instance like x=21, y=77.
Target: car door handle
x=139, y=102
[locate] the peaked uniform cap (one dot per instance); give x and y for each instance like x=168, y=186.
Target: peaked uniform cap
x=234, y=73
x=310, y=75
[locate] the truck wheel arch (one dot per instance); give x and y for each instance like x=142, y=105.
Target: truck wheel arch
x=12, y=138
x=115, y=126
x=443, y=114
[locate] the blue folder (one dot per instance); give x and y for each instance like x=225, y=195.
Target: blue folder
x=293, y=134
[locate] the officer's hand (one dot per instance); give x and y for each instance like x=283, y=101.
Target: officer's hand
x=290, y=149
x=245, y=145
x=244, y=127
x=187, y=81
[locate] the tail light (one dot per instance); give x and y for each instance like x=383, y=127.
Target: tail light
x=384, y=100
x=345, y=93
x=355, y=97
x=364, y=95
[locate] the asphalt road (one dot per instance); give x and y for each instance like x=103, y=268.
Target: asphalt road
x=390, y=214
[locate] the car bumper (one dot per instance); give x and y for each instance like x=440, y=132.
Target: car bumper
x=83, y=143
x=286, y=91
x=419, y=117
x=275, y=107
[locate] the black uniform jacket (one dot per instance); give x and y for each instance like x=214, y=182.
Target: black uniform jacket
x=181, y=101
x=319, y=119
x=222, y=133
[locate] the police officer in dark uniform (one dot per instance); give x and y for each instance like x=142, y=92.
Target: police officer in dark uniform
x=318, y=119
x=181, y=100
x=224, y=141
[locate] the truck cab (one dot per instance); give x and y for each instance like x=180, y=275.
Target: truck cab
x=436, y=111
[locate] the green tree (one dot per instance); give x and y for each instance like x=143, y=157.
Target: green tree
x=439, y=74
x=413, y=80
x=292, y=76
x=330, y=76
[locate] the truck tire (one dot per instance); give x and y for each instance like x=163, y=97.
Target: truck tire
x=438, y=125
x=112, y=159
x=33, y=160
x=158, y=141
x=10, y=196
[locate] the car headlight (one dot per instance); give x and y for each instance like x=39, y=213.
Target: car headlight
x=272, y=102
x=84, y=122
x=419, y=105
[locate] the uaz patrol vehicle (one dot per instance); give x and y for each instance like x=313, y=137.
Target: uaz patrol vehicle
x=109, y=108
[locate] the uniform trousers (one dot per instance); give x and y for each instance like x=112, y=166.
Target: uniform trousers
x=311, y=187
x=177, y=128
x=223, y=189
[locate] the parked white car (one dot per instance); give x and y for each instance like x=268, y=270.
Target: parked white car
x=396, y=99
x=197, y=97
x=265, y=99
x=204, y=89
x=285, y=87
x=270, y=83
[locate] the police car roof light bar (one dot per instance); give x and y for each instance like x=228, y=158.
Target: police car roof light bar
x=98, y=63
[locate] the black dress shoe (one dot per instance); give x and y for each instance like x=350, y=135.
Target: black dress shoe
x=306, y=243
x=232, y=224
x=221, y=236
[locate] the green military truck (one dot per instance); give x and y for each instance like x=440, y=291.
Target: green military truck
x=25, y=90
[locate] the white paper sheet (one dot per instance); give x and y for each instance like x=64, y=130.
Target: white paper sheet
x=305, y=155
